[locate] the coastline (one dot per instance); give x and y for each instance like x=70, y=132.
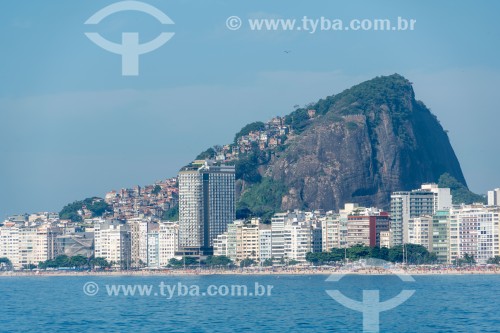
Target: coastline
x=275, y=272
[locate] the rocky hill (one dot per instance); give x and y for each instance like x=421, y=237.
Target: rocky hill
x=357, y=146
x=367, y=142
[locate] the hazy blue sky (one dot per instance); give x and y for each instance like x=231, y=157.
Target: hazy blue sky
x=71, y=126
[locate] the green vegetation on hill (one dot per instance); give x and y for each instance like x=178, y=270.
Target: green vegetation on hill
x=298, y=120
x=359, y=99
x=96, y=205
x=172, y=214
x=207, y=154
x=261, y=200
x=252, y=127
x=460, y=193
x=247, y=166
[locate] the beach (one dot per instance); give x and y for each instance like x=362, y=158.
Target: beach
x=256, y=271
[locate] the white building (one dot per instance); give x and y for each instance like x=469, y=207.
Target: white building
x=26, y=246
x=9, y=244
x=411, y=204
x=265, y=242
x=168, y=242
x=474, y=230
x=293, y=235
x=139, y=231
x=494, y=197
x=278, y=235
x=385, y=239
x=153, y=249
x=420, y=231
x=36, y=244
x=220, y=245
x=442, y=196
x=112, y=242
x=241, y=241
x=247, y=240
x=298, y=240
x=330, y=225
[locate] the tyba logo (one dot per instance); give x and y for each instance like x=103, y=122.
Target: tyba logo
x=371, y=306
x=130, y=49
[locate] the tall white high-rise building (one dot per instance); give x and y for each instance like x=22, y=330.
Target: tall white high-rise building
x=411, y=204
x=494, y=197
x=206, y=204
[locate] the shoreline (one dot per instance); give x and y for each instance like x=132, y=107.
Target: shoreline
x=182, y=273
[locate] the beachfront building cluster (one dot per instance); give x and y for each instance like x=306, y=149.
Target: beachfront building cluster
x=133, y=243
x=427, y=217
x=290, y=236
x=355, y=225
x=207, y=225
x=27, y=240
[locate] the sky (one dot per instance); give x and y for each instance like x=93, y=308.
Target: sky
x=72, y=126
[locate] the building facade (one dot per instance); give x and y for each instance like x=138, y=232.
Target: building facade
x=474, y=230
x=406, y=205
x=112, y=242
x=206, y=204
x=441, y=236
x=494, y=197
x=420, y=231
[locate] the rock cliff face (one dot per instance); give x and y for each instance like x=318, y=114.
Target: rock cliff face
x=363, y=144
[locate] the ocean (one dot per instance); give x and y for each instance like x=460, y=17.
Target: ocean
x=271, y=303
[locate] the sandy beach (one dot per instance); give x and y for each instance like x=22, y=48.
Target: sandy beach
x=275, y=271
